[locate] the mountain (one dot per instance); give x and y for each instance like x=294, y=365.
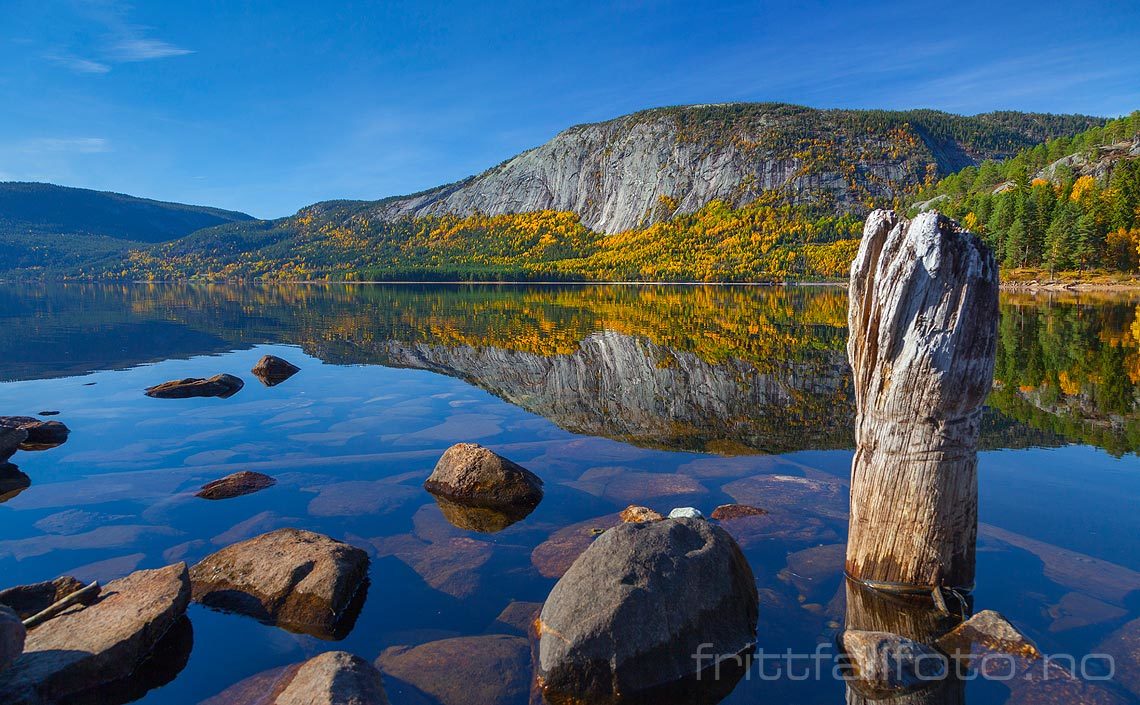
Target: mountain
x=44, y=225
x=612, y=174
x=1072, y=203
x=732, y=192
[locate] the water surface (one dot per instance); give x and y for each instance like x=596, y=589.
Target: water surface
x=662, y=396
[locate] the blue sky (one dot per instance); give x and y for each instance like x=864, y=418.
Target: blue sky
x=269, y=106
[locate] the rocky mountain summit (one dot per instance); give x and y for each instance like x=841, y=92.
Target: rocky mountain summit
x=647, y=166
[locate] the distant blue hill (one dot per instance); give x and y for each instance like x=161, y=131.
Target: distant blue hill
x=37, y=209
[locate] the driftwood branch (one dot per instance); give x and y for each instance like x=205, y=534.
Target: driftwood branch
x=81, y=595
x=923, y=332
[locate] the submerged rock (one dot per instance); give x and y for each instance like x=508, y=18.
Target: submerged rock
x=10, y=440
x=883, y=665
x=332, y=678
x=12, y=636
x=728, y=512
x=272, y=370
x=1124, y=646
x=554, y=556
x=236, y=485
x=86, y=647
x=222, y=386
x=477, y=670
x=631, y=612
x=634, y=514
x=472, y=475
x=298, y=580
x=27, y=600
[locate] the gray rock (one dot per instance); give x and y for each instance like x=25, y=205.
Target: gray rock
x=41, y=434
x=632, y=610
x=332, y=678
x=272, y=370
x=479, y=670
x=883, y=664
x=10, y=440
x=470, y=474
x=298, y=580
x=12, y=635
x=86, y=647
x=686, y=513
x=222, y=386
x=27, y=600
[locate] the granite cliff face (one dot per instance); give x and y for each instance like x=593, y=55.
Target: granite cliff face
x=645, y=167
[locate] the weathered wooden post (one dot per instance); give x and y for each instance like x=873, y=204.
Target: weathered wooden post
x=923, y=317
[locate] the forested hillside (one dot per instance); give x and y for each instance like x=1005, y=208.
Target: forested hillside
x=1068, y=204
x=48, y=228
x=739, y=192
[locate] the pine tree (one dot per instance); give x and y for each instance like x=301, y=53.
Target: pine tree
x=1016, y=244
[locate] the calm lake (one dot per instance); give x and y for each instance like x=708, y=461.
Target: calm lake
x=615, y=395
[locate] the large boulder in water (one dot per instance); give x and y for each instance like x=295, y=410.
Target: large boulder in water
x=634, y=608
x=272, y=370
x=299, y=580
x=472, y=475
x=222, y=386
x=85, y=647
x=332, y=678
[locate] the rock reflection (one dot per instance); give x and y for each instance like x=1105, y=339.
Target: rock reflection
x=483, y=520
x=169, y=657
x=12, y=481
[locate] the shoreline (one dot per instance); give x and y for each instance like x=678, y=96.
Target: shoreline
x=1012, y=285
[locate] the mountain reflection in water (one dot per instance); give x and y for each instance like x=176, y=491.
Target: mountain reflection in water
x=728, y=370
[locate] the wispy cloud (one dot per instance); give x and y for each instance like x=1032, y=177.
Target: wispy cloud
x=80, y=65
x=143, y=49
x=74, y=145
x=119, y=40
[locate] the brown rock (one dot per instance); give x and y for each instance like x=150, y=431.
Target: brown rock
x=988, y=643
x=27, y=600
x=625, y=486
x=520, y=616
x=451, y=565
x=479, y=670
x=634, y=514
x=332, y=678
x=298, y=580
x=1076, y=610
x=791, y=493
x=1124, y=647
x=728, y=512
x=236, y=485
x=272, y=370
x=555, y=555
x=41, y=434
x=12, y=636
x=222, y=386
x=815, y=571
x=470, y=474
x=86, y=647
